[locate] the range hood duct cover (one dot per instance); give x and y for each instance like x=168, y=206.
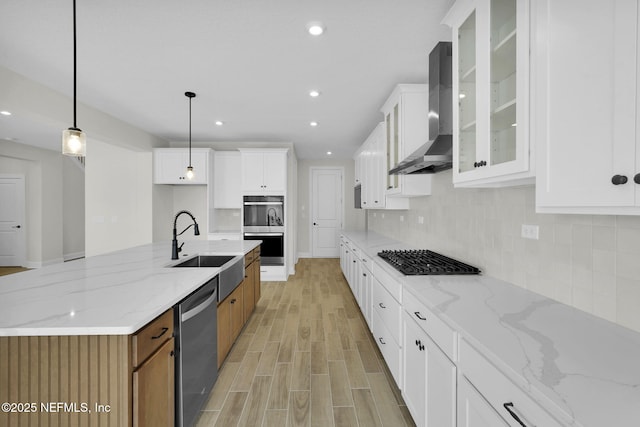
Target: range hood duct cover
x=436, y=154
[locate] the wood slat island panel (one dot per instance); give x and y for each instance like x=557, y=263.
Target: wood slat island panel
x=40, y=375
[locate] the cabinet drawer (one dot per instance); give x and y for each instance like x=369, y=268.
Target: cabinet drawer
x=389, y=348
x=501, y=393
x=248, y=258
x=388, y=309
x=390, y=284
x=444, y=336
x=151, y=337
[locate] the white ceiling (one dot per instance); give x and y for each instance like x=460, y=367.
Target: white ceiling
x=250, y=62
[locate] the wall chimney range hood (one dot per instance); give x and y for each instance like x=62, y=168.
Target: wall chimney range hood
x=436, y=154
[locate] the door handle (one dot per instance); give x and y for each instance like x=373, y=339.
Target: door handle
x=16, y=226
x=315, y=223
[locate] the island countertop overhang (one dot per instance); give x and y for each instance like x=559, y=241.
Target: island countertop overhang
x=110, y=294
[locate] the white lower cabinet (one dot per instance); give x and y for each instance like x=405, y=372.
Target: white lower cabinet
x=474, y=410
x=429, y=378
x=390, y=349
x=511, y=405
x=366, y=290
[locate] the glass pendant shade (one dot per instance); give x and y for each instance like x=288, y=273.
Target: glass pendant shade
x=189, y=173
x=74, y=142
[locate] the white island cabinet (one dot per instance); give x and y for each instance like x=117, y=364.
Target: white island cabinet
x=491, y=92
x=586, y=106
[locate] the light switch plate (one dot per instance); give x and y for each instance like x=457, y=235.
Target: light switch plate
x=530, y=232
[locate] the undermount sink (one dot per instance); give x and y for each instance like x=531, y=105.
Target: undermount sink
x=206, y=261
x=231, y=273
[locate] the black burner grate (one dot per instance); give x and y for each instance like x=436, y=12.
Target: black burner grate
x=424, y=262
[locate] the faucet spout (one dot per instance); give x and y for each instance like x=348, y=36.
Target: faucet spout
x=175, y=249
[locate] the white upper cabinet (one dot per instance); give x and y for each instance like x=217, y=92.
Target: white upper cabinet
x=586, y=106
x=491, y=89
x=170, y=165
x=264, y=170
x=406, y=129
x=226, y=180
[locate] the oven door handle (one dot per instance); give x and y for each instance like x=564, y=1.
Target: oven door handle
x=200, y=307
x=262, y=203
x=263, y=234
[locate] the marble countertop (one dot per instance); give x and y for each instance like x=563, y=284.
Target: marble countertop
x=574, y=364
x=111, y=294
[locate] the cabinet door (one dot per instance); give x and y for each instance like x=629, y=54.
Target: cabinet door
x=491, y=69
x=415, y=370
x=441, y=387
x=224, y=330
x=226, y=180
x=249, y=301
x=237, y=311
x=153, y=389
x=252, y=172
x=585, y=102
x=199, y=162
x=275, y=172
x=255, y=267
x=473, y=410
x=169, y=167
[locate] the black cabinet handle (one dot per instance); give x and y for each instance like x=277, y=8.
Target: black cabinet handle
x=619, y=179
x=515, y=416
x=381, y=341
x=233, y=301
x=164, y=331
x=418, y=342
x=636, y=178
x=381, y=305
x=172, y=353
x=421, y=347
x=417, y=313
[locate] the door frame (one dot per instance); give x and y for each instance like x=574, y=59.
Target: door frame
x=22, y=255
x=312, y=170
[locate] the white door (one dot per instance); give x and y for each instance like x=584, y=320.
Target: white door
x=12, y=231
x=326, y=211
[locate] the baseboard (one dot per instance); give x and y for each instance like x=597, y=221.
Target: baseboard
x=52, y=262
x=72, y=256
x=33, y=264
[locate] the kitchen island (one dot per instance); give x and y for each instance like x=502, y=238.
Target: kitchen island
x=506, y=349
x=72, y=334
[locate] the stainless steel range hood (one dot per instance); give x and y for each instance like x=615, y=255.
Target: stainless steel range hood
x=436, y=154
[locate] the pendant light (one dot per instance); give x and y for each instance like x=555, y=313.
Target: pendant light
x=189, y=173
x=74, y=141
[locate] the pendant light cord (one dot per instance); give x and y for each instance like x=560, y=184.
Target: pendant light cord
x=74, y=65
x=190, y=131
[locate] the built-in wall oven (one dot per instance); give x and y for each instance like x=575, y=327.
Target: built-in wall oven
x=263, y=219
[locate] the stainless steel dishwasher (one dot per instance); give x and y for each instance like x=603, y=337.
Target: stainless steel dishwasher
x=197, y=351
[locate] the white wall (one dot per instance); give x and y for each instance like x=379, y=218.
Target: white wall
x=73, y=223
x=587, y=261
x=118, y=195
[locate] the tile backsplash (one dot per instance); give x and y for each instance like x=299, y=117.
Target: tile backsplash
x=591, y=262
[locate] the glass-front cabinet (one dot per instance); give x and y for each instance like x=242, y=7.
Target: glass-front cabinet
x=491, y=84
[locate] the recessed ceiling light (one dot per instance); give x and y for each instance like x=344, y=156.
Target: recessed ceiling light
x=314, y=124
x=219, y=123
x=314, y=93
x=329, y=153
x=462, y=95
x=5, y=113
x=514, y=124
x=315, y=28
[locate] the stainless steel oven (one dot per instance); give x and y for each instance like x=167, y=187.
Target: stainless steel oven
x=272, y=248
x=263, y=211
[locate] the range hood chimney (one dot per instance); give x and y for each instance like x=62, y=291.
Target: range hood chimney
x=436, y=154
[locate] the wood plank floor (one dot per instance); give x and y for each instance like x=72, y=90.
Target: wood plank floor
x=306, y=358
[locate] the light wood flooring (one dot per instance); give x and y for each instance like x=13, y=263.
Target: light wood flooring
x=11, y=270
x=306, y=358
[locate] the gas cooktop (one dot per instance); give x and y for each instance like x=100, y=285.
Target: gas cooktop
x=425, y=262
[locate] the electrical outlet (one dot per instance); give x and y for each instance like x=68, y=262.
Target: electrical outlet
x=401, y=218
x=420, y=220
x=530, y=231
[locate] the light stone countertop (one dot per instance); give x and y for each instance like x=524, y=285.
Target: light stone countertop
x=111, y=294
x=569, y=361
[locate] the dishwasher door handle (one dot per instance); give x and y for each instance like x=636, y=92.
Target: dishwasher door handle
x=200, y=308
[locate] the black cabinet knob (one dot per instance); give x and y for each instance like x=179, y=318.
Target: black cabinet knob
x=619, y=179
x=475, y=164
x=636, y=178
